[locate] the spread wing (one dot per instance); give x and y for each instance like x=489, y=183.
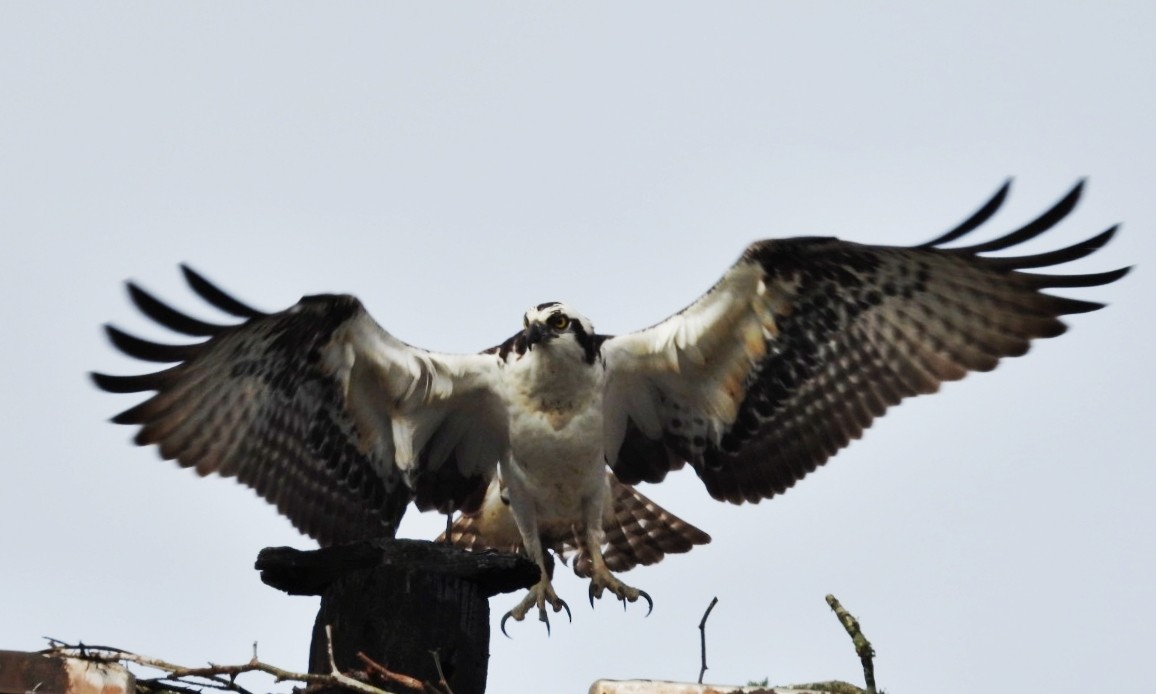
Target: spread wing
x=803, y=342
x=318, y=409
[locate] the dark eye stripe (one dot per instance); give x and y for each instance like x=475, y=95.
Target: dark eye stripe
x=590, y=343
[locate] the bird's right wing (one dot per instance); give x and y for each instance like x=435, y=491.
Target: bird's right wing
x=317, y=408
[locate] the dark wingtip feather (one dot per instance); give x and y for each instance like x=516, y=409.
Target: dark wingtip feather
x=148, y=351
x=1094, y=279
x=1056, y=257
x=137, y=414
x=1032, y=229
x=1065, y=306
x=126, y=384
x=217, y=296
x=977, y=218
x=168, y=316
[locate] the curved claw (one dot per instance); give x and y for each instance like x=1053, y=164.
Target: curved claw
x=543, y=617
x=558, y=607
x=649, y=603
x=593, y=592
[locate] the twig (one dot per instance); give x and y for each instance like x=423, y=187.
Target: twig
x=445, y=686
x=213, y=675
x=862, y=645
x=346, y=680
x=81, y=647
x=163, y=684
x=391, y=676
x=702, y=636
x=171, y=684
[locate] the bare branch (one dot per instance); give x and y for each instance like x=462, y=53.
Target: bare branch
x=340, y=677
x=702, y=636
x=444, y=686
x=862, y=645
x=212, y=676
x=389, y=675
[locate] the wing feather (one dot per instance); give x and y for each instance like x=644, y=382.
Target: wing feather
x=168, y=316
x=1029, y=231
x=1064, y=255
x=147, y=350
x=976, y=220
x=803, y=342
x=301, y=406
x=217, y=297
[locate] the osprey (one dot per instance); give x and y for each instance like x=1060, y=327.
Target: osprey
x=790, y=356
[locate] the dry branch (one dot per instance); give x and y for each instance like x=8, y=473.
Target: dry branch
x=212, y=676
x=702, y=636
x=862, y=646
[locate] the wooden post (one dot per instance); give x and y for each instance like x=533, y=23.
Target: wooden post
x=402, y=603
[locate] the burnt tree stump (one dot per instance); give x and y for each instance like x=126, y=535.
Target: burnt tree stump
x=398, y=600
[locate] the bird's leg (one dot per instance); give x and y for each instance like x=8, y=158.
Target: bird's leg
x=542, y=592
x=600, y=577
x=538, y=596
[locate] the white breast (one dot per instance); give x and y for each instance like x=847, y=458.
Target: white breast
x=556, y=430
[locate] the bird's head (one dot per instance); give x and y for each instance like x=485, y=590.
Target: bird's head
x=555, y=322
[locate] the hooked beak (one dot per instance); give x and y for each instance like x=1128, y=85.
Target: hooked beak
x=534, y=334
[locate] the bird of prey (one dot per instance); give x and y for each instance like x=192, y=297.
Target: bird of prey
x=784, y=361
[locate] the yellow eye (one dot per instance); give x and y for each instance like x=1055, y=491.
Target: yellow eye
x=559, y=321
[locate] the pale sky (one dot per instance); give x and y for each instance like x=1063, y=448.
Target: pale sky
x=452, y=165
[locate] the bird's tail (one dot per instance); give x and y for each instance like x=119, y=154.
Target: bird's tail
x=637, y=531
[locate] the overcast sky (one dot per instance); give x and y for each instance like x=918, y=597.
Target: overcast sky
x=452, y=165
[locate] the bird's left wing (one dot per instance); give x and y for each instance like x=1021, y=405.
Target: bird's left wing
x=318, y=409
x=804, y=341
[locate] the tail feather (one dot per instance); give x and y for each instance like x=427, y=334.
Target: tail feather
x=637, y=531
x=491, y=526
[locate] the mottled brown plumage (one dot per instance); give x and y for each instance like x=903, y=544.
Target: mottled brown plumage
x=855, y=329
x=244, y=404
x=788, y=358
x=638, y=532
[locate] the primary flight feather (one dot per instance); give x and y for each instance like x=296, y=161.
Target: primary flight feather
x=790, y=356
